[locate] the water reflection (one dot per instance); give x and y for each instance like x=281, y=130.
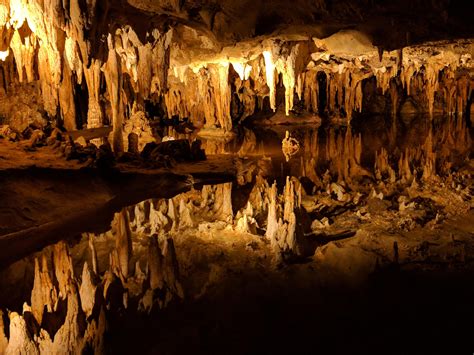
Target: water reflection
x=349, y=151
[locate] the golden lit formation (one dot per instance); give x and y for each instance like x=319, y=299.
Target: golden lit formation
x=236, y=177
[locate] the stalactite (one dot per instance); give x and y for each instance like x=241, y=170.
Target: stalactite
x=281, y=222
x=270, y=76
x=66, y=100
x=220, y=82
x=223, y=201
x=63, y=268
x=198, y=86
x=311, y=91
x=431, y=85
x=272, y=219
x=24, y=55
x=113, y=76
x=93, y=251
x=155, y=264
x=311, y=157
x=463, y=84
x=92, y=74
x=20, y=341
x=3, y=337
x=382, y=166
x=44, y=294
x=345, y=162
x=429, y=163
x=171, y=269
x=87, y=291
x=69, y=337
x=384, y=76
x=123, y=242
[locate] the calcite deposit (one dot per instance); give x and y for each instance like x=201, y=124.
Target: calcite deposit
x=236, y=177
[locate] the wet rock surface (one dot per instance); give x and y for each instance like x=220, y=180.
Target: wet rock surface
x=233, y=177
x=367, y=242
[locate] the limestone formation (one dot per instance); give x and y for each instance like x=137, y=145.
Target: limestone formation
x=290, y=146
x=109, y=110
x=20, y=340
x=3, y=338
x=44, y=294
x=87, y=291
x=63, y=269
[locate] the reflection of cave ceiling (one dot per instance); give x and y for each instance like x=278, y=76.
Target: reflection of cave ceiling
x=202, y=59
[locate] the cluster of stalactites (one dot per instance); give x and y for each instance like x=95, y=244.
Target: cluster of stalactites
x=428, y=160
x=54, y=282
x=47, y=42
x=93, y=295
x=344, y=151
x=203, y=94
x=292, y=66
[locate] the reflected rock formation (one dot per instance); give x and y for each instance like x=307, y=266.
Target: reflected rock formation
x=236, y=177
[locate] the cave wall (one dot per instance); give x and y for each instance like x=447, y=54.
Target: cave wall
x=202, y=59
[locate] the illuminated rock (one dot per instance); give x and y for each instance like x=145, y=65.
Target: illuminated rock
x=44, y=294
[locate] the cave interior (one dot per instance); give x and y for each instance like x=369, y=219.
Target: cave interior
x=236, y=177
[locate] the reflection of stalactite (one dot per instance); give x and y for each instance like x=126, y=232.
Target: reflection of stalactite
x=84, y=324
x=344, y=151
x=382, y=166
x=123, y=243
x=282, y=228
x=429, y=165
x=310, y=158
x=223, y=201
